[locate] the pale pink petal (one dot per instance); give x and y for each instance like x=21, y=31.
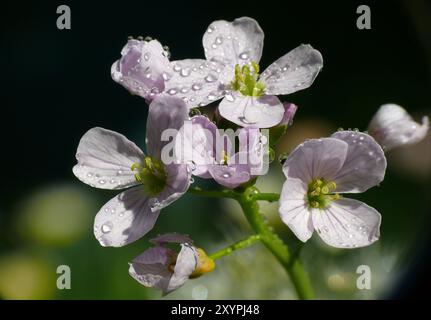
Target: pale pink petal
x=261, y=112
x=316, y=158
x=105, y=158
x=187, y=261
x=150, y=268
x=293, y=208
x=142, y=68
x=171, y=238
x=392, y=126
x=347, y=223
x=164, y=113
x=198, y=82
x=365, y=163
x=237, y=42
x=125, y=218
x=294, y=71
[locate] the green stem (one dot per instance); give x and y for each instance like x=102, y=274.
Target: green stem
x=236, y=246
x=248, y=202
x=271, y=197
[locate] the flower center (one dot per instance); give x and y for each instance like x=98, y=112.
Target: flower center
x=246, y=80
x=320, y=193
x=151, y=173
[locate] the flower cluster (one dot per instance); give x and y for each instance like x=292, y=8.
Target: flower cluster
x=181, y=144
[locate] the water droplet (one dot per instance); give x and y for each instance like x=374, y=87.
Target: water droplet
x=184, y=90
x=172, y=91
x=212, y=97
x=243, y=56
x=214, y=46
x=196, y=87
x=119, y=172
x=165, y=76
x=229, y=97
x=219, y=40
x=226, y=175
x=89, y=175
x=192, y=180
x=210, y=29
x=185, y=72
x=177, y=68
x=107, y=227
x=112, y=181
x=101, y=181
x=210, y=78
x=147, y=56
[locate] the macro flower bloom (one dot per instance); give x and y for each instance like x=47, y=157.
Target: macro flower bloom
x=108, y=160
x=211, y=153
x=317, y=171
x=392, y=127
x=163, y=268
x=143, y=68
x=231, y=71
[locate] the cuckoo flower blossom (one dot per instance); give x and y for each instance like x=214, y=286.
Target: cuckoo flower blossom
x=163, y=268
x=108, y=160
x=392, y=127
x=210, y=153
x=317, y=171
x=231, y=71
x=143, y=68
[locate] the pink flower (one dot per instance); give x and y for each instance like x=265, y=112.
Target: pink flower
x=317, y=172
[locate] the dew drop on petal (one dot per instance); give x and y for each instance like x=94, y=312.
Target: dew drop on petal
x=106, y=227
x=243, y=56
x=172, y=91
x=196, y=87
x=226, y=175
x=210, y=78
x=101, y=181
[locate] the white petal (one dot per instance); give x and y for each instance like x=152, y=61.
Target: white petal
x=198, y=82
x=164, y=113
x=347, y=223
x=195, y=145
x=261, y=112
x=142, y=68
x=316, y=158
x=187, y=262
x=237, y=42
x=392, y=126
x=125, y=218
x=151, y=267
x=105, y=158
x=365, y=163
x=293, y=209
x=294, y=71
x=177, y=183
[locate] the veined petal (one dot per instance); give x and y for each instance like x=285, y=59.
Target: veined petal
x=365, y=163
x=262, y=112
x=232, y=174
x=105, y=158
x=392, y=126
x=294, y=71
x=171, y=238
x=198, y=82
x=237, y=42
x=164, y=113
x=195, y=145
x=347, y=223
x=177, y=183
x=125, y=218
x=150, y=268
x=293, y=208
x=255, y=146
x=187, y=261
x=142, y=68
x=316, y=158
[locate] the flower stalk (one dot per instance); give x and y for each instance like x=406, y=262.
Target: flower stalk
x=248, y=202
